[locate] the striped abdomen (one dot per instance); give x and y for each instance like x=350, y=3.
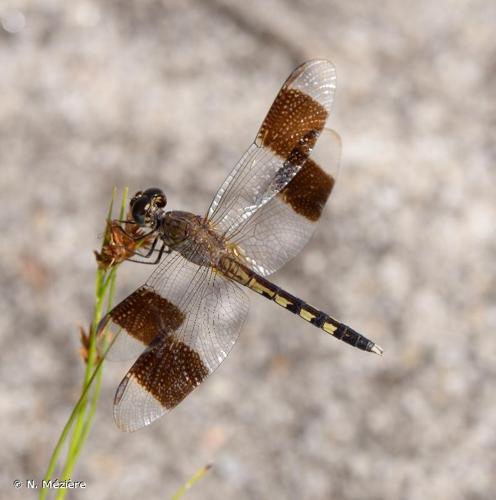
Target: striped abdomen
x=257, y=283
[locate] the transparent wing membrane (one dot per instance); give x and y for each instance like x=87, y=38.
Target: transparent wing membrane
x=283, y=144
x=276, y=233
x=184, y=321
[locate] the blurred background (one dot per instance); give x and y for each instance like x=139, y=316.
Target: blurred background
x=170, y=93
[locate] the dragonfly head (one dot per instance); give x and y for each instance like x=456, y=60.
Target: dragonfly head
x=146, y=205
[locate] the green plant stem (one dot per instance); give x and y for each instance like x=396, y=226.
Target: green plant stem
x=81, y=417
x=67, y=428
x=195, y=478
x=86, y=427
x=78, y=410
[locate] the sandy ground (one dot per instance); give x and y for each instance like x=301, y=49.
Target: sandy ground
x=170, y=93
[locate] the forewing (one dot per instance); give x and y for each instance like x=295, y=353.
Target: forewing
x=281, y=148
x=282, y=227
x=194, y=331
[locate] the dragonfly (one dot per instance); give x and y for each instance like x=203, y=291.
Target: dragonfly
x=184, y=320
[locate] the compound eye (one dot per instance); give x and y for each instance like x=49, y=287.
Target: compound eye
x=157, y=195
x=136, y=197
x=139, y=207
x=160, y=200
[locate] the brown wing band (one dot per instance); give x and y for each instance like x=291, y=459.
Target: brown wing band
x=169, y=372
x=308, y=191
x=292, y=124
x=145, y=313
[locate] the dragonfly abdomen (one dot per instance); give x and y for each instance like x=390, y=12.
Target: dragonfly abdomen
x=318, y=318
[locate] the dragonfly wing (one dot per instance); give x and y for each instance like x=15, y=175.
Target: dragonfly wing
x=282, y=227
x=281, y=148
x=192, y=317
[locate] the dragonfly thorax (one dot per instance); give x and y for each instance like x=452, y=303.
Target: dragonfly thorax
x=177, y=226
x=192, y=236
